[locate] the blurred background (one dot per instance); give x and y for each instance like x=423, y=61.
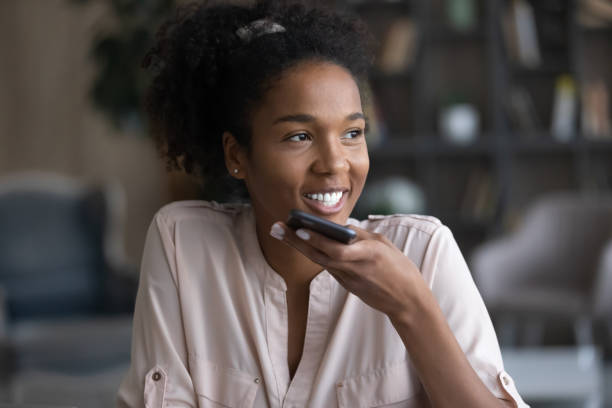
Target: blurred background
x=492, y=115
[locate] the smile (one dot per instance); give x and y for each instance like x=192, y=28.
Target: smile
x=328, y=199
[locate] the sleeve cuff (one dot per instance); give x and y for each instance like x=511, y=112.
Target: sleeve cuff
x=510, y=392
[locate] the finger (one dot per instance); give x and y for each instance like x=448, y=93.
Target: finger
x=361, y=233
x=285, y=234
x=336, y=251
x=337, y=269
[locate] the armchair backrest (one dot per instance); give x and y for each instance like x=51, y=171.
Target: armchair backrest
x=558, y=245
x=602, y=293
x=568, y=232
x=52, y=260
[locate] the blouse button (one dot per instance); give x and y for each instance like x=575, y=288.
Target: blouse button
x=506, y=380
x=156, y=376
x=257, y=381
x=339, y=385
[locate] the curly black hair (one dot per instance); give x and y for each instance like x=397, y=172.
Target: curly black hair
x=207, y=79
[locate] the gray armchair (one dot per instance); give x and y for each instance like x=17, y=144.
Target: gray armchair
x=602, y=294
x=67, y=292
x=556, y=267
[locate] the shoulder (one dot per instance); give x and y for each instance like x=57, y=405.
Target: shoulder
x=411, y=233
x=389, y=223
x=199, y=210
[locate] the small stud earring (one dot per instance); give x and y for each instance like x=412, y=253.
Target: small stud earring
x=235, y=171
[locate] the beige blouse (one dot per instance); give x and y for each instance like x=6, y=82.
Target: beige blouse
x=210, y=325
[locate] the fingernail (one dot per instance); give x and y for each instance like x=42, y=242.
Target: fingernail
x=277, y=231
x=302, y=234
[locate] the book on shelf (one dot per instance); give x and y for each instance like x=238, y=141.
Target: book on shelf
x=398, y=46
x=377, y=131
x=480, y=197
x=520, y=34
x=595, y=13
x=509, y=34
x=522, y=111
x=563, y=122
x=595, y=116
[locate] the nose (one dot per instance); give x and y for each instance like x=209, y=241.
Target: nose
x=331, y=156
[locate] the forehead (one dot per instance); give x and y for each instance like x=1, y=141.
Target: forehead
x=318, y=88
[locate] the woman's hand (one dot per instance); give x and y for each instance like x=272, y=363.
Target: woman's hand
x=383, y=277
x=370, y=266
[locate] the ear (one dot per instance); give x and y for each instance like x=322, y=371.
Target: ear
x=235, y=158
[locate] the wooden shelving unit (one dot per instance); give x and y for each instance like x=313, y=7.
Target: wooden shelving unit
x=523, y=164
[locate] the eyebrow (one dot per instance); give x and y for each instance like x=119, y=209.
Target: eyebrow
x=304, y=118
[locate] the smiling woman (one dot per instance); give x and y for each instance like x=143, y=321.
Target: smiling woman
x=307, y=146
x=234, y=308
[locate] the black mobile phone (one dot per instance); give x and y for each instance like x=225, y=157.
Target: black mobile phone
x=300, y=219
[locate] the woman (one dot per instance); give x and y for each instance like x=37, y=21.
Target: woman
x=237, y=310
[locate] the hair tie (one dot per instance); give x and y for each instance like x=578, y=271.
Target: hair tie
x=258, y=28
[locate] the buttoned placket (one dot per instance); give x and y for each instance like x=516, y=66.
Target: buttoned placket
x=277, y=321
x=295, y=393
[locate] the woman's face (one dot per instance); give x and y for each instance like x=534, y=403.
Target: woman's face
x=308, y=145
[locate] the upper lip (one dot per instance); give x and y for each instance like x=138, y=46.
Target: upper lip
x=328, y=190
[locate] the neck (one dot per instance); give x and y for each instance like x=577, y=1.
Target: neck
x=295, y=268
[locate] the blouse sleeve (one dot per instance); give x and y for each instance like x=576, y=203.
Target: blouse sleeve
x=450, y=280
x=158, y=375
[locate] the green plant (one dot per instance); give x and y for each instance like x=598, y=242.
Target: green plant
x=119, y=83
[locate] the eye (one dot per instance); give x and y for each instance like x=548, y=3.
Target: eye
x=353, y=134
x=300, y=137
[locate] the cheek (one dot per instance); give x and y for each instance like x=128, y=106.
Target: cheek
x=360, y=165
x=278, y=174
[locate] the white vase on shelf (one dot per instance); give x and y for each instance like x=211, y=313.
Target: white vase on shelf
x=460, y=123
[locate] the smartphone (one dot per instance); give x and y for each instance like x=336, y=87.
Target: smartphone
x=300, y=219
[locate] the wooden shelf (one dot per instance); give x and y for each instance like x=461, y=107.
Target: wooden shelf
x=431, y=146
x=542, y=70
x=598, y=145
x=475, y=66
x=369, y=6
x=452, y=36
x=543, y=143
x=607, y=31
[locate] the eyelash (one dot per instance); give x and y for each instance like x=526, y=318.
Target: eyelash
x=357, y=132
x=299, y=134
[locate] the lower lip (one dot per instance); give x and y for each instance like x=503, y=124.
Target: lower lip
x=318, y=207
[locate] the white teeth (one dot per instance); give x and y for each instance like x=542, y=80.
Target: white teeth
x=328, y=199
